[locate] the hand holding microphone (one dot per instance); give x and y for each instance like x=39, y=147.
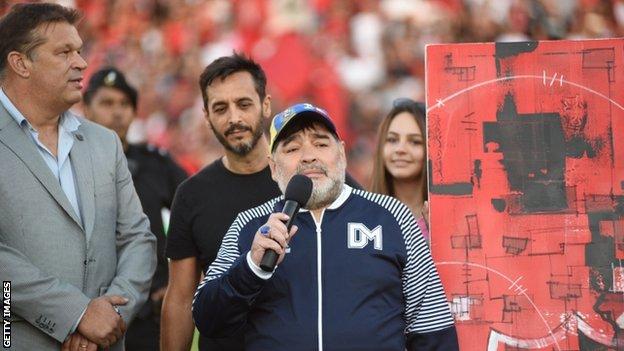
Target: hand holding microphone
x=272, y=237
x=271, y=240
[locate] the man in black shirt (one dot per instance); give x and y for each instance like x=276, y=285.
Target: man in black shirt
x=237, y=108
x=112, y=102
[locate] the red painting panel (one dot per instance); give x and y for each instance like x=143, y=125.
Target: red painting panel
x=526, y=162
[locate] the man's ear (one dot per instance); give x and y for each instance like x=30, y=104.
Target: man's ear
x=266, y=107
x=343, y=153
x=19, y=63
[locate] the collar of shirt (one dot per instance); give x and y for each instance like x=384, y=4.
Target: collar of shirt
x=344, y=195
x=60, y=165
x=68, y=123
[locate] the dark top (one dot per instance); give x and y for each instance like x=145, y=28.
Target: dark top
x=156, y=177
x=204, y=207
x=207, y=203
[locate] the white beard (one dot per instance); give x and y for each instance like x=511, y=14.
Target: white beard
x=325, y=191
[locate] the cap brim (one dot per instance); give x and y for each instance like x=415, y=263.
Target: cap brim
x=311, y=115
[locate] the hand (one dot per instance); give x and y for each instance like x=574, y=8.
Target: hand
x=276, y=239
x=77, y=342
x=101, y=323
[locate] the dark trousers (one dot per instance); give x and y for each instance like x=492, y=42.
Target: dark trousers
x=143, y=335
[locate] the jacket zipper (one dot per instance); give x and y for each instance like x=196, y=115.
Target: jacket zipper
x=319, y=279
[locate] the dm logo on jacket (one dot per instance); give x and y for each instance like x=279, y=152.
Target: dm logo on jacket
x=360, y=236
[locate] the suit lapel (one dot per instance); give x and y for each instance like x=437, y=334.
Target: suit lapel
x=83, y=171
x=15, y=139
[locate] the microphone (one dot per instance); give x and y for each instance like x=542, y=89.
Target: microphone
x=297, y=194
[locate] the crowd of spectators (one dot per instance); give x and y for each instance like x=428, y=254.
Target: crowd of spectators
x=350, y=57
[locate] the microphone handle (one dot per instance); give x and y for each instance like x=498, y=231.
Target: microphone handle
x=269, y=259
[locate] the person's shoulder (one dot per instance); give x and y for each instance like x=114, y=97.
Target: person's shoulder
x=388, y=210
x=260, y=211
x=381, y=201
x=151, y=151
x=369, y=196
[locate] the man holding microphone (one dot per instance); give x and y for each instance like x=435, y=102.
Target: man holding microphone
x=353, y=273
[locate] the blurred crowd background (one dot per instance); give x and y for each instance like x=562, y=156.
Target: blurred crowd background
x=351, y=57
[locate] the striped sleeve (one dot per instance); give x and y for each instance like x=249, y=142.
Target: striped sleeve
x=229, y=284
x=229, y=250
x=426, y=308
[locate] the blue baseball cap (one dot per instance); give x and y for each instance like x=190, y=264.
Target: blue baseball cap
x=304, y=110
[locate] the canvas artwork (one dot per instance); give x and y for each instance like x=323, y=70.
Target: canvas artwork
x=526, y=166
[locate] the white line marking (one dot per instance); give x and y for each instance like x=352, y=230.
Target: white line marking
x=514, y=283
x=478, y=85
x=497, y=337
x=449, y=263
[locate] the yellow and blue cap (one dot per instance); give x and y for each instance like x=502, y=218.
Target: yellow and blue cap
x=304, y=110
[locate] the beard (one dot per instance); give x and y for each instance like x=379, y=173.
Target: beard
x=324, y=191
x=242, y=148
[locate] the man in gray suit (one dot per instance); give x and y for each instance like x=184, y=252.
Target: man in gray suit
x=74, y=241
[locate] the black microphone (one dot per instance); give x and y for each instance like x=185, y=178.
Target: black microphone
x=297, y=194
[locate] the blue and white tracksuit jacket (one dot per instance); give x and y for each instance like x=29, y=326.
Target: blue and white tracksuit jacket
x=360, y=279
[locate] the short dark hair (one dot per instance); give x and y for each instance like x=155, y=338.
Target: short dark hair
x=225, y=66
x=17, y=27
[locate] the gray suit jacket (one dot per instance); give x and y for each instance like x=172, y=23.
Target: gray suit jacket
x=56, y=264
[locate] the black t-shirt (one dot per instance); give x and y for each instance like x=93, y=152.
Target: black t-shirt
x=204, y=207
x=207, y=203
